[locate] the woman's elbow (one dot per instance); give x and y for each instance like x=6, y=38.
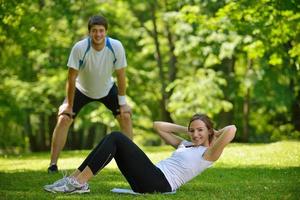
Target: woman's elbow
x=232, y=131
x=156, y=125
x=232, y=128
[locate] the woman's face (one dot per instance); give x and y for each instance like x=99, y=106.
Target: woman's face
x=199, y=133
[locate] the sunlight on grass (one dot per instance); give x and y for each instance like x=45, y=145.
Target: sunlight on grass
x=280, y=154
x=245, y=171
x=66, y=162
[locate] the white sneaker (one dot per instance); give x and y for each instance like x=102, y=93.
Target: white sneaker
x=71, y=186
x=60, y=182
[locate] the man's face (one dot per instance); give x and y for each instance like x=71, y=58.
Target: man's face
x=97, y=34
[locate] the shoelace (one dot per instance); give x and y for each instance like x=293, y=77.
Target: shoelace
x=65, y=176
x=75, y=183
x=72, y=180
x=64, y=173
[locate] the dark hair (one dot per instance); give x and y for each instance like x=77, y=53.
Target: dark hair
x=207, y=121
x=97, y=20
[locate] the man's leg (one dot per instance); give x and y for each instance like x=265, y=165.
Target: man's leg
x=111, y=102
x=125, y=124
x=59, y=137
x=63, y=124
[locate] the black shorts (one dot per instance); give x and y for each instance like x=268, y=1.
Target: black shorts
x=110, y=101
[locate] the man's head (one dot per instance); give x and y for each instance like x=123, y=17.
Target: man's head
x=97, y=20
x=97, y=30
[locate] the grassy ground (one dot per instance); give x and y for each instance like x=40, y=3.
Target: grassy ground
x=245, y=171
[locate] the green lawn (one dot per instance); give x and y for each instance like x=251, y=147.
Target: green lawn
x=245, y=171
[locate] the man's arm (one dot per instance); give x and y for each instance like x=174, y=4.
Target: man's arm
x=121, y=82
x=70, y=91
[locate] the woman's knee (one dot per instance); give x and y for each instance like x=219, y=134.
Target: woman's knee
x=114, y=137
x=116, y=134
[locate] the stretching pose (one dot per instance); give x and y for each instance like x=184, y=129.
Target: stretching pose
x=91, y=64
x=189, y=159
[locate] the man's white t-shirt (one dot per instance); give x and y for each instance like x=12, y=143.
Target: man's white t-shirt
x=95, y=77
x=184, y=164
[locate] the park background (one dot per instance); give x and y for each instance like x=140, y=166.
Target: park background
x=236, y=60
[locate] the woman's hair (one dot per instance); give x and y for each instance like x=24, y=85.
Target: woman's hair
x=97, y=20
x=207, y=121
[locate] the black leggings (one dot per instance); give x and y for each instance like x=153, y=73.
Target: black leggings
x=142, y=175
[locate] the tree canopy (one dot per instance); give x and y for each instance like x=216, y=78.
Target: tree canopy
x=237, y=61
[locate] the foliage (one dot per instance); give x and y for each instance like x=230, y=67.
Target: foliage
x=201, y=89
x=238, y=61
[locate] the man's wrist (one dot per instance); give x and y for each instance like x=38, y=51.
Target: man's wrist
x=122, y=100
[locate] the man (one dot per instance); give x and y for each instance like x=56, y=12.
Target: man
x=90, y=66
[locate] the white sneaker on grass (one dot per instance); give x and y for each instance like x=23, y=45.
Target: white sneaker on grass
x=57, y=183
x=71, y=186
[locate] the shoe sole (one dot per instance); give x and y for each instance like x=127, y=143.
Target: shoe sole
x=80, y=191
x=74, y=192
x=49, y=190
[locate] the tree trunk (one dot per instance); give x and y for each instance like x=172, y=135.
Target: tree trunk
x=246, y=117
x=296, y=111
x=246, y=108
x=42, y=132
x=71, y=138
x=165, y=114
x=227, y=67
x=172, y=58
x=89, y=141
x=95, y=134
x=29, y=132
x=52, y=119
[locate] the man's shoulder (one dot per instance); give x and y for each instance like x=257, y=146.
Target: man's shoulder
x=81, y=44
x=113, y=40
x=115, y=43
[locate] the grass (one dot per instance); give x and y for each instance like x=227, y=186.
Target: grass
x=245, y=171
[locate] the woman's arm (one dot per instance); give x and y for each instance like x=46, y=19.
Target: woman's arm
x=222, y=137
x=167, y=130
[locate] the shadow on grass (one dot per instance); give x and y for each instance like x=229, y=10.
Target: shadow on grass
x=215, y=183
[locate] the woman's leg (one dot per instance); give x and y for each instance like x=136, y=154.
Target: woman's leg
x=142, y=175
x=91, y=155
x=84, y=176
x=84, y=173
x=140, y=172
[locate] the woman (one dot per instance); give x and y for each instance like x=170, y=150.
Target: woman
x=189, y=159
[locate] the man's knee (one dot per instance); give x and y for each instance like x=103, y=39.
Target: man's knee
x=64, y=120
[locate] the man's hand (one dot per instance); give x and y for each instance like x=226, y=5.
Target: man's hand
x=125, y=109
x=65, y=109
